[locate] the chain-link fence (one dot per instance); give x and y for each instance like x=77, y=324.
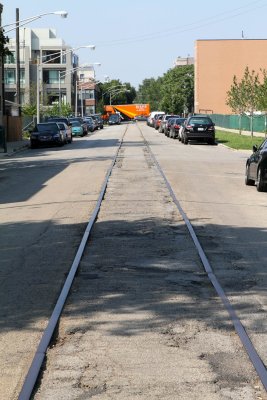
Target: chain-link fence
x=242, y=122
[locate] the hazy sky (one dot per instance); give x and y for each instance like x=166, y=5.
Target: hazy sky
x=140, y=39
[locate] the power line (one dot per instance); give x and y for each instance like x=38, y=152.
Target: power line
x=250, y=7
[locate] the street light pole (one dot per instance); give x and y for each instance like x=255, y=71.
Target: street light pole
x=92, y=47
x=18, y=62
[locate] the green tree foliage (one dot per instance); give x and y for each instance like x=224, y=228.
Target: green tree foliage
x=173, y=92
x=4, y=40
x=116, y=92
x=54, y=111
x=246, y=96
x=148, y=93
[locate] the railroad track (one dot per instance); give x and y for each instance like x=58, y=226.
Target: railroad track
x=151, y=163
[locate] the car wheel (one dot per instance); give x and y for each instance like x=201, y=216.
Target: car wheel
x=185, y=140
x=260, y=184
x=248, y=181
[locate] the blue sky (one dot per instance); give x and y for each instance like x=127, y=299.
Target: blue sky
x=140, y=39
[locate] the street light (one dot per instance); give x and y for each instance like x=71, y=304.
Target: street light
x=114, y=92
x=62, y=74
x=16, y=25
x=92, y=47
x=25, y=21
x=110, y=89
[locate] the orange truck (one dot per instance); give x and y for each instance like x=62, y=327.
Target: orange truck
x=127, y=111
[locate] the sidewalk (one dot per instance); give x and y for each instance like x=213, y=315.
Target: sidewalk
x=14, y=147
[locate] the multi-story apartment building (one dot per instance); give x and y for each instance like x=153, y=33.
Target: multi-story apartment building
x=46, y=57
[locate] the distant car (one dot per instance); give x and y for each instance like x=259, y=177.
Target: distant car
x=47, y=133
x=59, y=119
x=200, y=128
x=81, y=121
x=67, y=131
x=91, y=123
x=150, y=119
x=77, y=128
x=114, y=119
x=175, y=127
x=99, y=120
x=168, y=126
x=140, y=118
x=163, y=122
x=256, y=167
x=157, y=120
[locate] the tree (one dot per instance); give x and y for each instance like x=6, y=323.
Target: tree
x=148, y=92
x=243, y=96
x=174, y=92
x=110, y=91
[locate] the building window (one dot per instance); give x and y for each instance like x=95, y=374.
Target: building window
x=53, y=76
x=53, y=57
x=22, y=76
x=10, y=76
x=87, y=94
x=10, y=58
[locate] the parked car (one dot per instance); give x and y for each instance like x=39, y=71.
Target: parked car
x=256, y=167
x=140, y=117
x=199, y=128
x=150, y=119
x=114, y=119
x=98, y=118
x=77, y=128
x=163, y=122
x=66, y=129
x=47, y=133
x=156, y=120
x=175, y=126
x=91, y=123
x=59, y=119
x=81, y=121
x=168, y=126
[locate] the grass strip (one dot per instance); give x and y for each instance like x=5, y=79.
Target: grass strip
x=236, y=141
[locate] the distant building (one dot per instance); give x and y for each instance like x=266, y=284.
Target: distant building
x=180, y=61
x=56, y=61
x=216, y=63
x=86, y=91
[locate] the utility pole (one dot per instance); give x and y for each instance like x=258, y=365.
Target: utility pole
x=18, y=62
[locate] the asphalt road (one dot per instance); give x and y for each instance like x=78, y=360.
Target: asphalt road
x=46, y=199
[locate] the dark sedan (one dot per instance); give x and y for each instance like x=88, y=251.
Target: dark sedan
x=256, y=167
x=47, y=133
x=200, y=128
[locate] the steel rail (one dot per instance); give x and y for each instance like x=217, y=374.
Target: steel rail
x=240, y=330
x=34, y=370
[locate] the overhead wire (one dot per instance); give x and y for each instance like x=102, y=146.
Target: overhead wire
x=250, y=7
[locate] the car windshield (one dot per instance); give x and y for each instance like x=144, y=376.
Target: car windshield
x=75, y=123
x=179, y=120
x=61, y=125
x=47, y=127
x=200, y=121
x=113, y=117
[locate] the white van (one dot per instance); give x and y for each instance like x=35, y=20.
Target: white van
x=152, y=115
